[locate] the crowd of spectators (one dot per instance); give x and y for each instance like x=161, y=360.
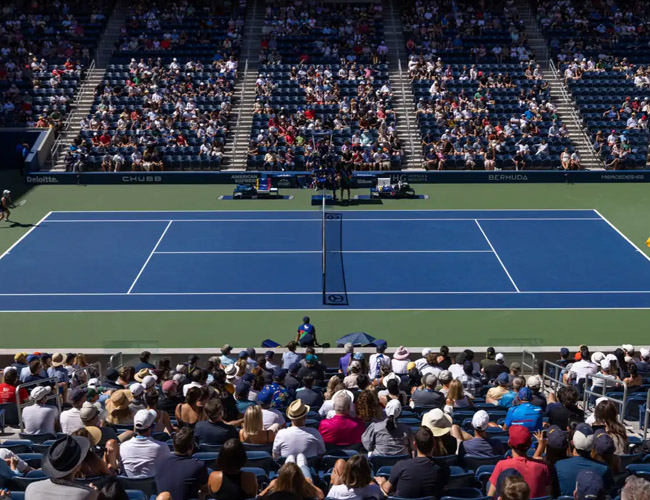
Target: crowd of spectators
x=171, y=108
x=429, y=417
x=482, y=102
x=323, y=71
x=45, y=47
x=601, y=51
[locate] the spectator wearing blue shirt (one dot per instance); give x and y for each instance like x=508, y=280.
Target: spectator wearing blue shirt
x=225, y=359
x=306, y=335
x=290, y=357
x=344, y=361
x=58, y=371
x=567, y=470
x=526, y=413
x=480, y=445
x=144, y=362
x=508, y=399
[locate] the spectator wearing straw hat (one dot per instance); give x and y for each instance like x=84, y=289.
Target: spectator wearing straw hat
x=40, y=418
x=58, y=371
x=298, y=439
x=61, y=464
x=400, y=360
x=141, y=455
x=90, y=417
x=118, y=409
x=71, y=419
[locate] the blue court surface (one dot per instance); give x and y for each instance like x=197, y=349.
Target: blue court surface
x=272, y=260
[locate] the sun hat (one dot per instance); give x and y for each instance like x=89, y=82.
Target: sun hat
x=557, y=438
x=481, y=420
x=139, y=377
x=119, y=400
x=583, y=437
x=380, y=345
x=95, y=435
x=40, y=392
x=389, y=377
x=144, y=419
x=64, y=456
x=519, y=436
x=297, y=410
x=58, y=359
x=393, y=408
x=437, y=421
x=231, y=372
x=589, y=485
x=401, y=353
x=597, y=357
x=136, y=389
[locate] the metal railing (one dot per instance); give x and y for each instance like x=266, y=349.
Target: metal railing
x=646, y=418
x=239, y=113
x=80, y=377
x=116, y=360
x=552, y=373
x=607, y=382
x=567, y=99
x=525, y=364
x=72, y=116
x=54, y=395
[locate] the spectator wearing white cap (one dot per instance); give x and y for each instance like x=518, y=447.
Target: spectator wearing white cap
x=535, y=384
x=608, y=380
x=137, y=403
x=40, y=418
x=480, y=445
x=141, y=454
x=628, y=352
x=421, y=362
x=388, y=437
x=493, y=370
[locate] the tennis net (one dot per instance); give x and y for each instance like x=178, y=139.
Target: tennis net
x=333, y=275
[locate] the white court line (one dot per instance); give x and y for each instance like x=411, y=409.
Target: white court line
x=397, y=292
x=218, y=252
x=316, y=219
x=624, y=237
x=25, y=235
x=325, y=309
x=318, y=210
x=497, y=255
x=150, y=255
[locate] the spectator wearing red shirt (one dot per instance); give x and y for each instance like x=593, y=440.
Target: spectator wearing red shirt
x=342, y=429
x=105, y=139
x=8, y=387
x=534, y=472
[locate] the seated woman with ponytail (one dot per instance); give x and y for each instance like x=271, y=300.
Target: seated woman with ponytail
x=388, y=437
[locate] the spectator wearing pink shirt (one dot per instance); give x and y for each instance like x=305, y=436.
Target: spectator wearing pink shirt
x=342, y=429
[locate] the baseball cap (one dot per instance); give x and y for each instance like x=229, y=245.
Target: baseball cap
x=311, y=358
x=583, y=437
x=519, y=436
x=242, y=386
x=481, y=420
x=39, y=392
x=604, y=364
x=149, y=381
x=604, y=444
x=279, y=373
x=534, y=382
x=77, y=394
x=243, y=355
x=589, y=485
x=515, y=366
x=393, y=408
x=265, y=395
x=381, y=345
x=226, y=349
x=426, y=351
x=499, y=357
x=525, y=394
x=144, y=419
x=136, y=389
x=169, y=385
x=193, y=358
x=250, y=351
x=295, y=367
x=503, y=379
x=557, y=438
x=268, y=354
x=564, y=351
x=644, y=353
x=445, y=376
x=88, y=412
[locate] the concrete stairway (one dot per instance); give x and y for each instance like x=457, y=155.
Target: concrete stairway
x=94, y=76
x=403, y=101
x=560, y=97
x=244, y=98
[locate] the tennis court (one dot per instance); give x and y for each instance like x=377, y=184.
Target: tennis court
x=275, y=260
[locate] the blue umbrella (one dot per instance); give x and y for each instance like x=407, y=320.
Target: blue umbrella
x=357, y=339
